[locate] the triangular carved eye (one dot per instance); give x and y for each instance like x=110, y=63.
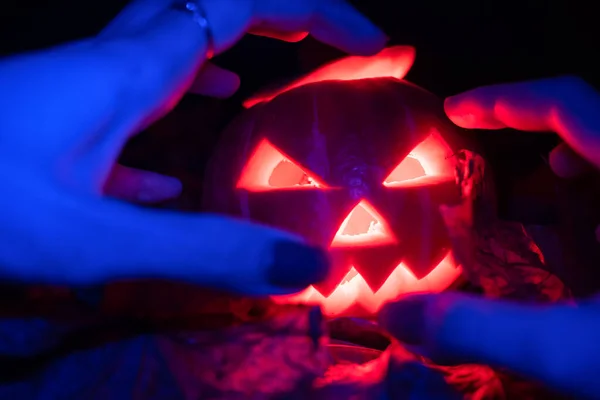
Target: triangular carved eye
x=427, y=163
x=269, y=169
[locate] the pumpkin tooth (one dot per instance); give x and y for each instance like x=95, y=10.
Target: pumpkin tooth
x=421, y=263
x=375, y=264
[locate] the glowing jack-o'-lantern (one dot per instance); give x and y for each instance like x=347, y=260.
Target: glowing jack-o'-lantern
x=353, y=159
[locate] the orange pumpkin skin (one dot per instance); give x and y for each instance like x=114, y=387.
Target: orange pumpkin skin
x=360, y=167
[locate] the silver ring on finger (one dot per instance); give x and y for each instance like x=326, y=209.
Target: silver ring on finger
x=196, y=10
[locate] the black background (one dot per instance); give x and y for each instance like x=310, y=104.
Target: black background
x=460, y=45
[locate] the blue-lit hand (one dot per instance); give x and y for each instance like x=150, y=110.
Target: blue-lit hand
x=66, y=114
x=553, y=344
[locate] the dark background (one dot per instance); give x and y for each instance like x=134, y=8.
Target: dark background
x=460, y=45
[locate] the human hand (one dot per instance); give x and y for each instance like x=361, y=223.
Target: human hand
x=553, y=344
x=567, y=106
x=68, y=111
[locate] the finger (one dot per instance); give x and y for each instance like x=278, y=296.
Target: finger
x=556, y=345
x=567, y=106
x=394, y=62
x=158, y=55
x=120, y=241
x=566, y=163
x=139, y=186
x=216, y=82
x=333, y=22
x=340, y=25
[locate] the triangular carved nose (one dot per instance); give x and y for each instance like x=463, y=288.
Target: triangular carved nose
x=363, y=227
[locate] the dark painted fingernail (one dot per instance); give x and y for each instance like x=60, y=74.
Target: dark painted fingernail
x=405, y=320
x=451, y=101
x=297, y=266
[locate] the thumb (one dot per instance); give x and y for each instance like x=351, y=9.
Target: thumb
x=93, y=241
x=210, y=250
x=556, y=345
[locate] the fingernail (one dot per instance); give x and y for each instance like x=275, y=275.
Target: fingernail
x=450, y=102
x=405, y=320
x=159, y=188
x=456, y=115
x=169, y=185
x=297, y=266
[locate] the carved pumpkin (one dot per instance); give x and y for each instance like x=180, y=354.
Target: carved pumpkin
x=354, y=159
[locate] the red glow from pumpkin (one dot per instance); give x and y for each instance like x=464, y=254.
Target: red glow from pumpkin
x=269, y=169
x=394, y=62
x=354, y=290
x=429, y=162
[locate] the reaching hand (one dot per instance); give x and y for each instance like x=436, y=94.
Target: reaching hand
x=553, y=344
x=68, y=111
x=566, y=106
